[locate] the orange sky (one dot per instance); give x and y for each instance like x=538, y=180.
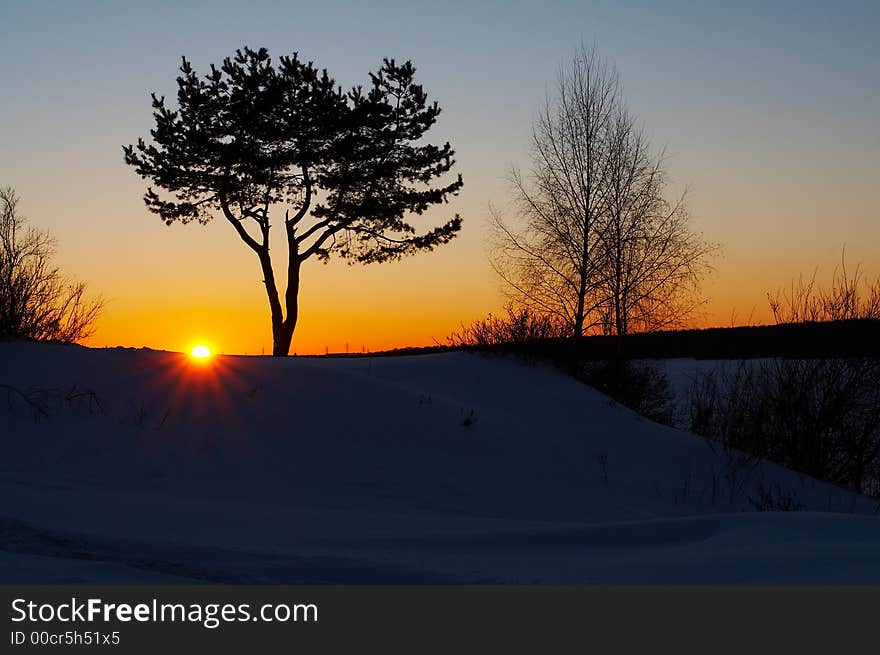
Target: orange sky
x=217, y=298
x=171, y=286
x=767, y=113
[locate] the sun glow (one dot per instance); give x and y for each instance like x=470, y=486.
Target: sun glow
x=201, y=352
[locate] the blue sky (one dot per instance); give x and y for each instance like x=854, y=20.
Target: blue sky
x=769, y=114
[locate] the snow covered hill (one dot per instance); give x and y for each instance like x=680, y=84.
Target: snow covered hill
x=123, y=465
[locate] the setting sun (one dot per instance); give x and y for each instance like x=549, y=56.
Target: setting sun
x=201, y=352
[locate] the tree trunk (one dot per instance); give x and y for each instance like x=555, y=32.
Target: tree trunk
x=282, y=332
x=282, y=335
x=578, y=328
x=282, y=328
x=581, y=310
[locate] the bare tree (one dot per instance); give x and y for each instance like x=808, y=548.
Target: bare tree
x=549, y=263
x=649, y=261
x=600, y=247
x=36, y=301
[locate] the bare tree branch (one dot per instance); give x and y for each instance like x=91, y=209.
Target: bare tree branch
x=36, y=301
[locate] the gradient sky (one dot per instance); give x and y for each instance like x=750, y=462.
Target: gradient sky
x=770, y=116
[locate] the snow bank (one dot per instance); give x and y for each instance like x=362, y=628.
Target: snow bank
x=134, y=465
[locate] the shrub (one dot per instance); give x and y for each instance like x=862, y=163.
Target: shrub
x=517, y=325
x=636, y=385
x=850, y=296
x=817, y=416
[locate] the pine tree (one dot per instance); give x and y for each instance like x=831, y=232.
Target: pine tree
x=348, y=169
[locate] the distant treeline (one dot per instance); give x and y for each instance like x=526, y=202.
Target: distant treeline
x=851, y=338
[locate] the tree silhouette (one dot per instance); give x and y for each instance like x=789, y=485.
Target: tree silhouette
x=598, y=247
x=649, y=261
x=550, y=265
x=347, y=168
x=36, y=300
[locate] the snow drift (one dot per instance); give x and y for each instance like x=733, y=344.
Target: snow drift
x=123, y=465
